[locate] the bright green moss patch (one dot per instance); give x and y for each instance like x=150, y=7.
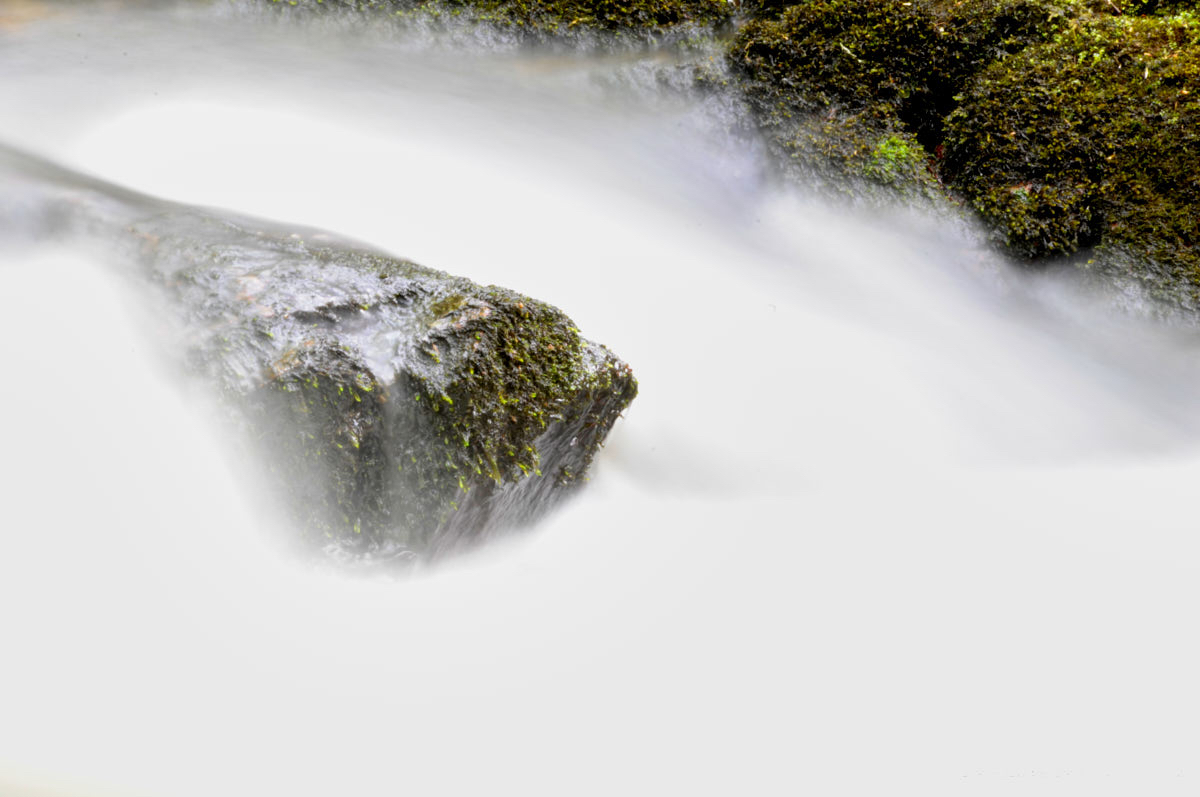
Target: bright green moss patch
x=896, y=157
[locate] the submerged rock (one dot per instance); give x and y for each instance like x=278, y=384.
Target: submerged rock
x=398, y=408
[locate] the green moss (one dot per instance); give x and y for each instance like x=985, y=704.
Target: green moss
x=523, y=364
x=1092, y=137
x=449, y=304
x=877, y=56
x=512, y=376
x=896, y=157
x=1066, y=124
x=830, y=80
x=1161, y=7
x=983, y=31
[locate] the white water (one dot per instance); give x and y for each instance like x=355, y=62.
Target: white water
x=885, y=515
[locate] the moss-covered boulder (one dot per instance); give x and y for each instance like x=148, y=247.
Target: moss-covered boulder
x=1091, y=137
x=399, y=408
x=1067, y=124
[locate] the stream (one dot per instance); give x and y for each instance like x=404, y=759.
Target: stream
x=889, y=513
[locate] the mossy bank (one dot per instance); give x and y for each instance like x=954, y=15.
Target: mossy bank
x=1069, y=126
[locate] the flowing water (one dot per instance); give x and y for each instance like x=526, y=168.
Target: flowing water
x=888, y=513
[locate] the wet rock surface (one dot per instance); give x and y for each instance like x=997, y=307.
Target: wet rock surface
x=399, y=409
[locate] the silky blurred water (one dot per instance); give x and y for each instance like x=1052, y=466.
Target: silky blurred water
x=887, y=513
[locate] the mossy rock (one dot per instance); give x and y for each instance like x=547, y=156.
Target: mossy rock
x=845, y=90
x=399, y=408
x=856, y=54
x=1067, y=124
x=1090, y=138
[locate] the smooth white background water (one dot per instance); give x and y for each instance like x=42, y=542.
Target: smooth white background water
x=885, y=516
